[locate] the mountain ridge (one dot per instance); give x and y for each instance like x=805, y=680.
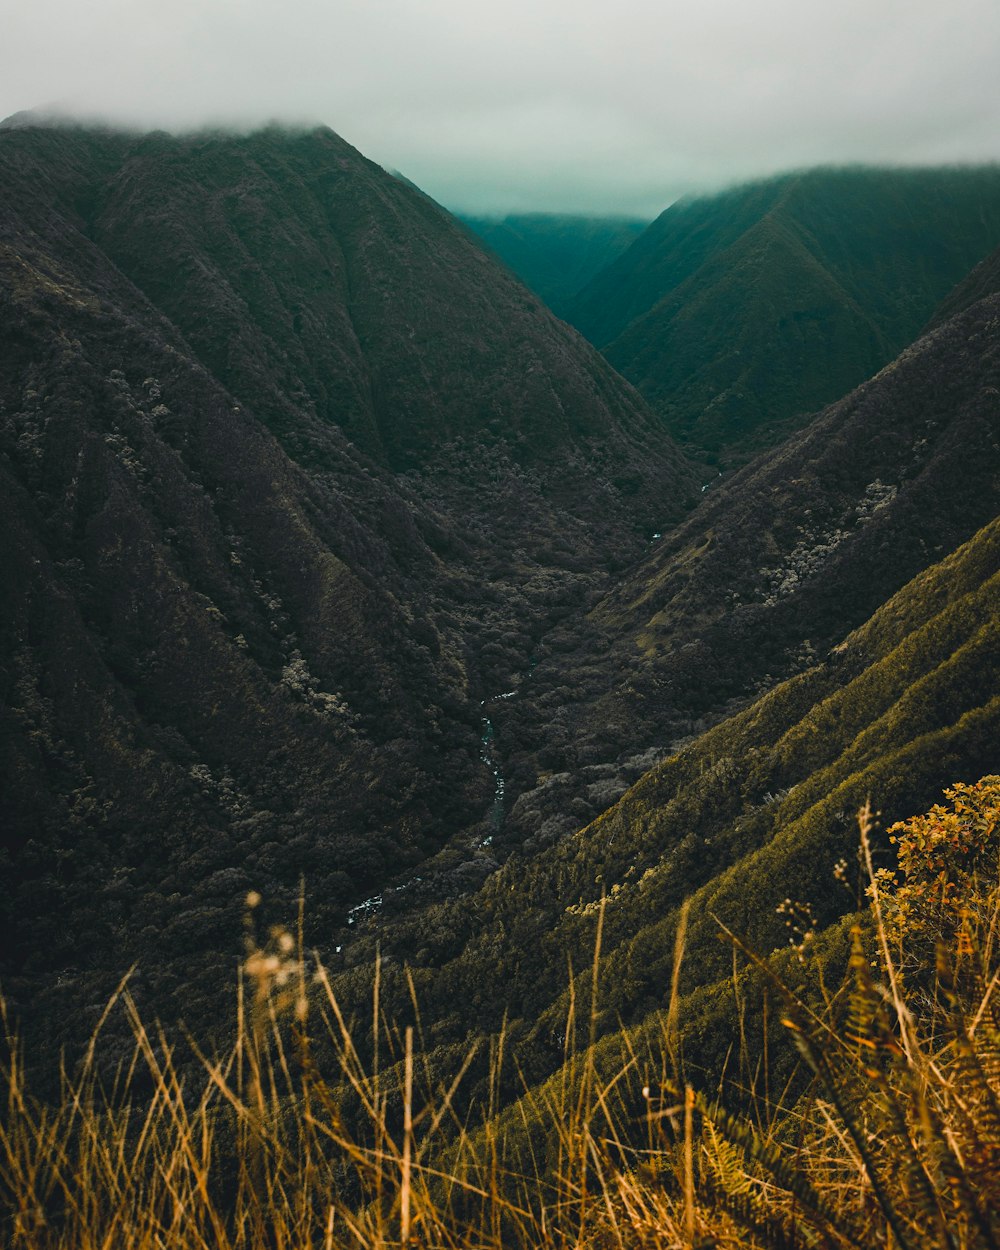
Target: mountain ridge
x=238, y=645
x=737, y=347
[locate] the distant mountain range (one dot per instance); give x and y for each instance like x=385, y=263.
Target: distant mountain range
x=737, y=315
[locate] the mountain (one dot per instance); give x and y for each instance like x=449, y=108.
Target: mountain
x=308, y=280
x=293, y=475
x=738, y=315
x=555, y=254
x=329, y=568
x=822, y=630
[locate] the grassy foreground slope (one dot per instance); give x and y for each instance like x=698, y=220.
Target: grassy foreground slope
x=253, y=1149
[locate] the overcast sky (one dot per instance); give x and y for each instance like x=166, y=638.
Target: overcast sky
x=584, y=105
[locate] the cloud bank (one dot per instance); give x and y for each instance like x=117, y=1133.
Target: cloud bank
x=552, y=105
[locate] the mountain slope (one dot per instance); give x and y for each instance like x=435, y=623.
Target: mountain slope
x=757, y=811
x=740, y=314
x=778, y=563
x=214, y=669
x=555, y=254
x=325, y=292
x=239, y=645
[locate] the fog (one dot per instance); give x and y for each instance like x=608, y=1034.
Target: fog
x=552, y=105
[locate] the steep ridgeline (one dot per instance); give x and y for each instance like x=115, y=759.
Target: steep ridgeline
x=326, y=293
x=556, y=254
x=267, y=418
x=774, y=568
x=739, y=314
x=757, y=811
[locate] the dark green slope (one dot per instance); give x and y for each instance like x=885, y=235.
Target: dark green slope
x=738, y=315
x=757, y=810
x=555, y=254
x=215, y=670
x=237, y=645
x=772, y=321
x=323, y=291
x=670, y=250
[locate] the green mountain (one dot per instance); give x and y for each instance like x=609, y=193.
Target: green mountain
x=328, y=558
x=293, y=473
x=738, y=315
x=555, y=254
x=863, y=560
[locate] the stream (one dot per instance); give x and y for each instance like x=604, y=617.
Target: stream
x=489, y=757
x=372, y=906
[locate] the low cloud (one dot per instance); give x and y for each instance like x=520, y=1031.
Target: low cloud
x=567, y=104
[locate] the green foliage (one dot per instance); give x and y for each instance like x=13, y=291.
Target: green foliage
x=904, y=1093
x=737, y=315
x=947, y=859
x=753, y=814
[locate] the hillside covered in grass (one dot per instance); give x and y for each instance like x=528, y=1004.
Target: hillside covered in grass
x=889, y=1138
x=755, y=811
x=769, y=574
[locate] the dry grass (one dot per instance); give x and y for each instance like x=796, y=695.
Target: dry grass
x=896, y=1142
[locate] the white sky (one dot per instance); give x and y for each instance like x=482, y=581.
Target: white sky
x=587, y=105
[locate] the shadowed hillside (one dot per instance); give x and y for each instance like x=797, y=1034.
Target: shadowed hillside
x=239, y=643
x=755, y=812
x=777, y=564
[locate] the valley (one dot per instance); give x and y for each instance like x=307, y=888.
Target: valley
x=342, y=573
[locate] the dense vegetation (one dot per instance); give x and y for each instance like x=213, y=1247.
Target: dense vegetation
x=893, y=1140
x=756, y=810
x=293, y=475
x=328, y=570
x=738, y=315
x=778, y=564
